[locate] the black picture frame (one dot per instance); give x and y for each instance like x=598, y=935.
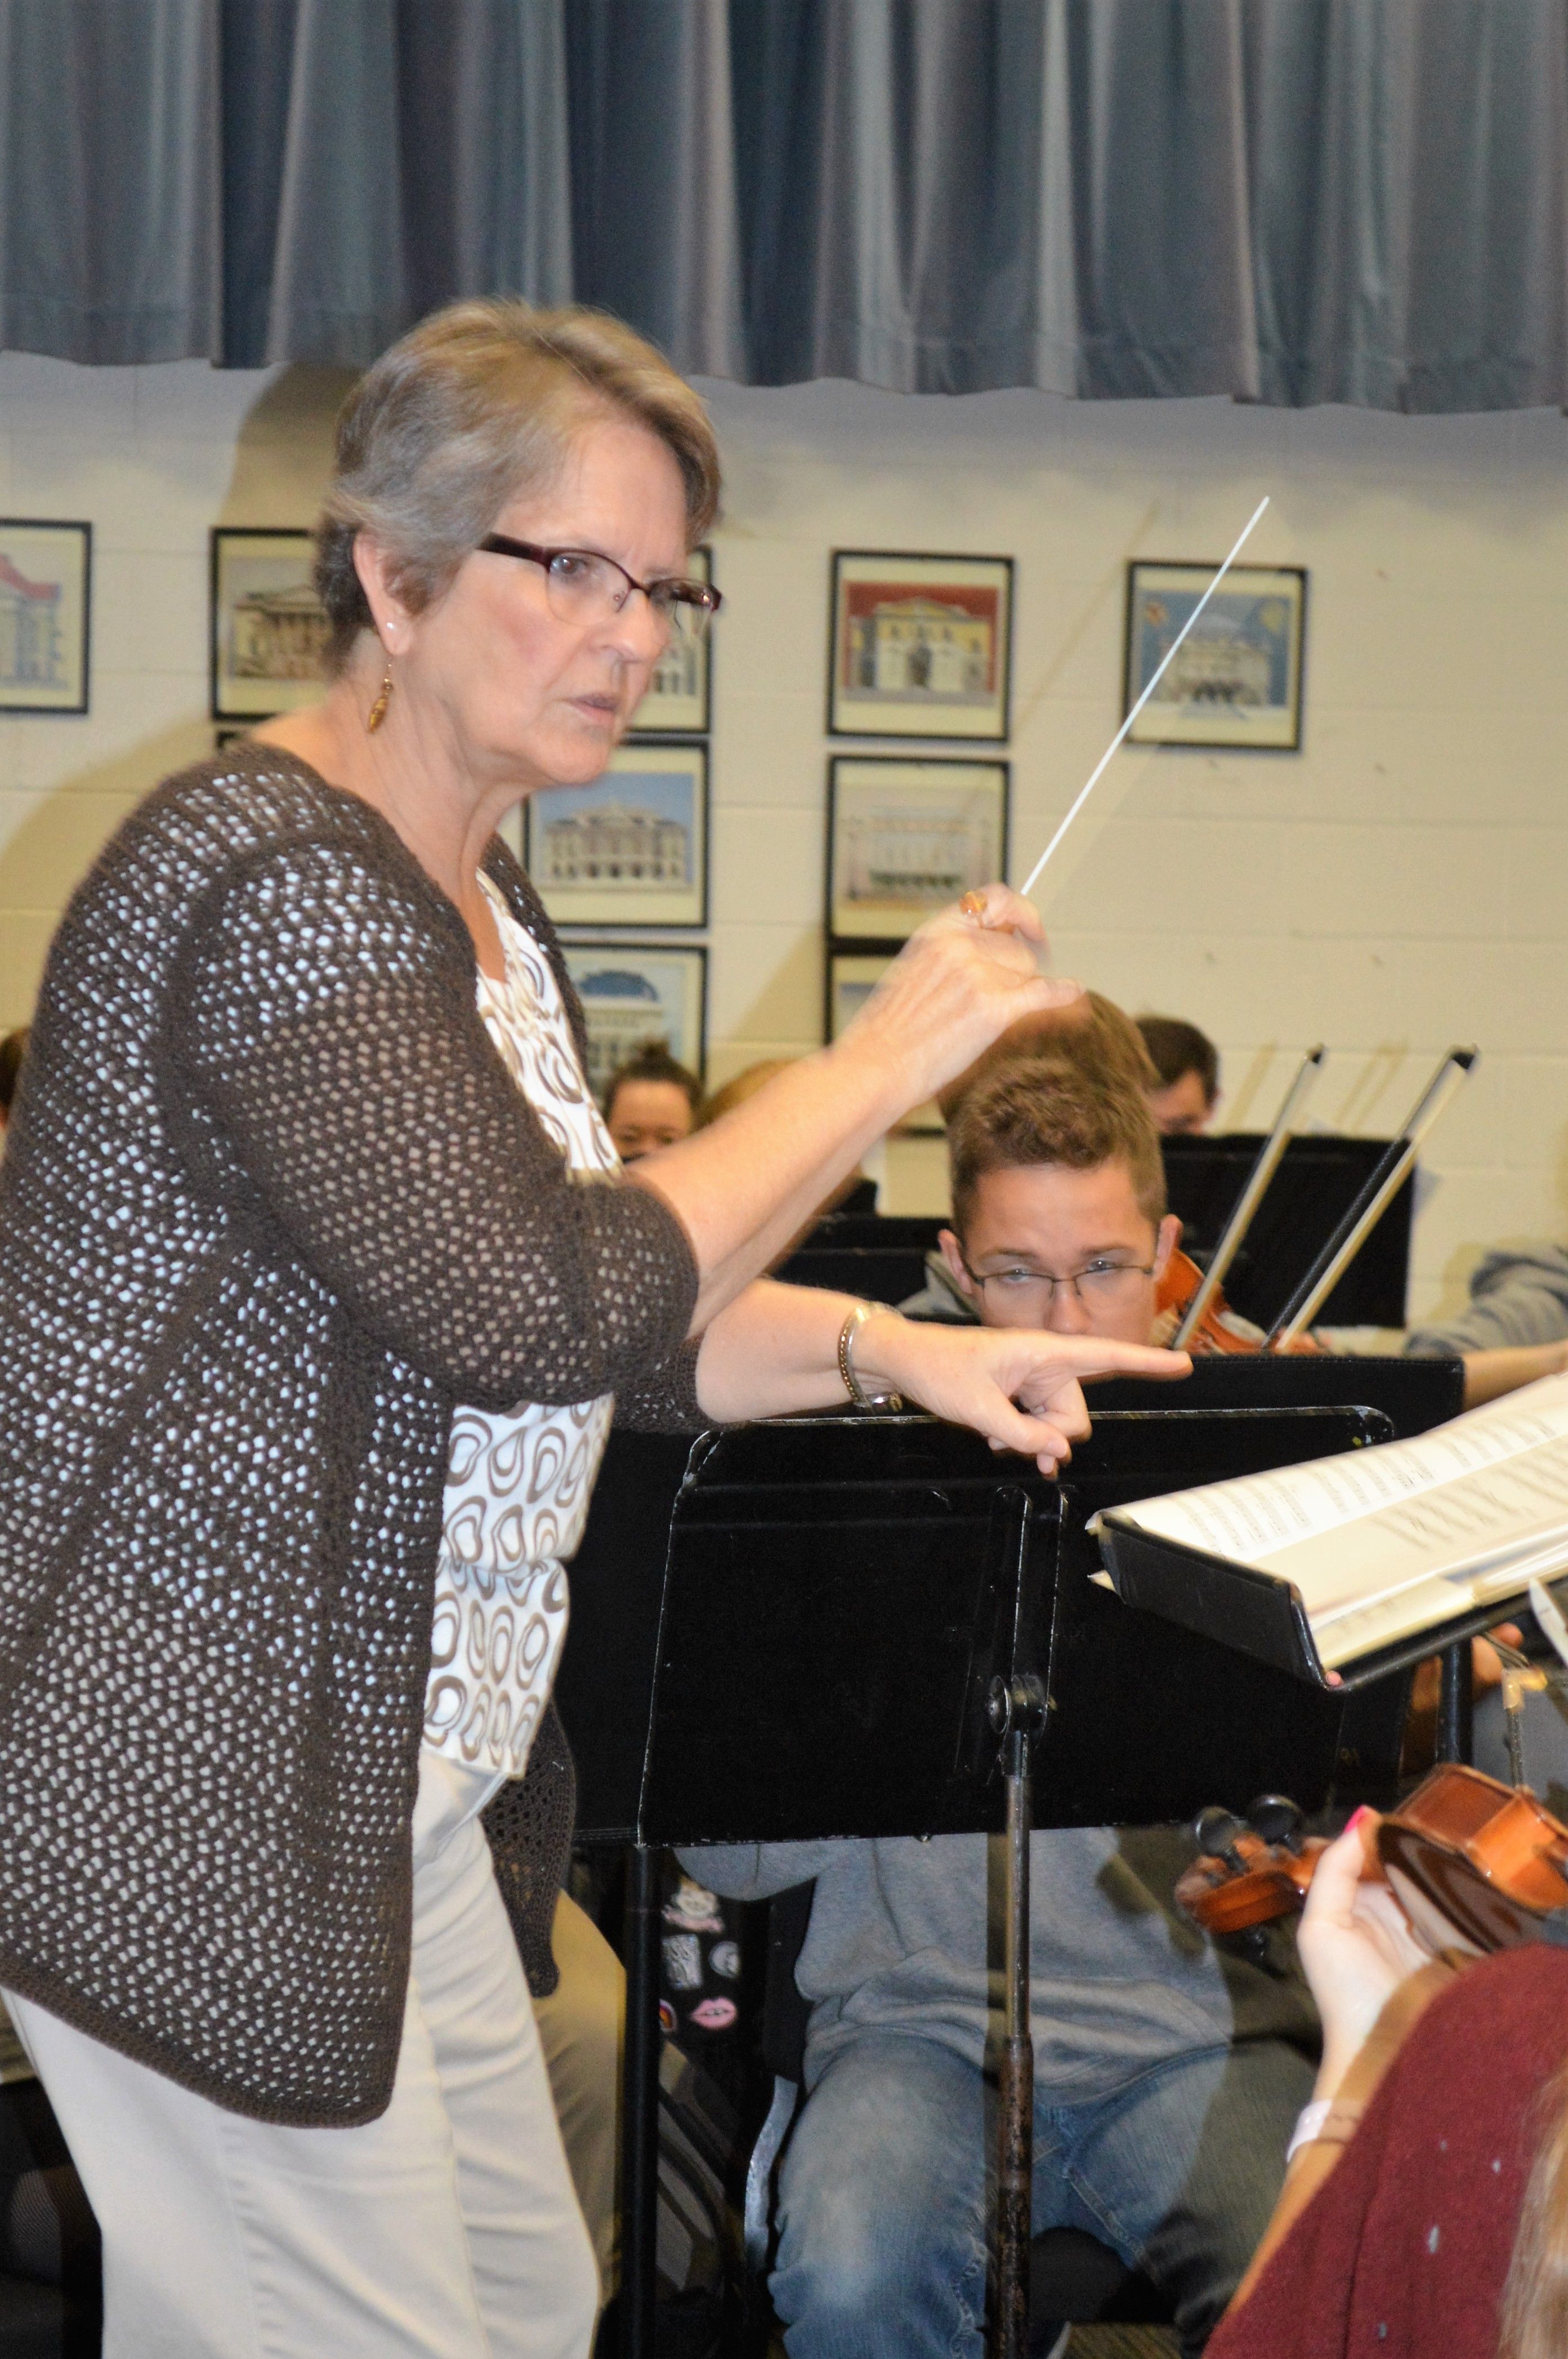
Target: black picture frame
x=604, y=905
x=965, y=775
x=21, y=539
x=292, y=553
x=609, y=1045
x=1154, y=725
x=918, y=711
x=688, y=716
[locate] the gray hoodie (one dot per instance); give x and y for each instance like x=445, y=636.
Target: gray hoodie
x=1515, y=1298
x=905, y=1936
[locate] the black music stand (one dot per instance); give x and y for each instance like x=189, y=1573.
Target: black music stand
x=877, y=1255
x=847, y=1621
x=1319, y=1178
x=1414, y=1393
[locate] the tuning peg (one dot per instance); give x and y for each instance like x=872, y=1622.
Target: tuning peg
x=1278, y=1820
x=1214, y=1831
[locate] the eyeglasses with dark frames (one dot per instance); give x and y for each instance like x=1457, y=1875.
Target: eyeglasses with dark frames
x=1102, y=1281
x=583, y=585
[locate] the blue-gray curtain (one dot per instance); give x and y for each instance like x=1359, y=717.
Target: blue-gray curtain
x=1287, y=201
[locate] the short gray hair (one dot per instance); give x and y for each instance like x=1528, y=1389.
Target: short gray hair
x=478, y=403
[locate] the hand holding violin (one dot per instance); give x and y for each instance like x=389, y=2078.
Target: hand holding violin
x=1356, y=1945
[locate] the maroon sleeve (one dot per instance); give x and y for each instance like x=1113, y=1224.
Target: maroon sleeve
x=1404, y=2252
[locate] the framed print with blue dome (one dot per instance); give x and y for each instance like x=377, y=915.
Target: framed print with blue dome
x=1237, y=681
x=634, y=993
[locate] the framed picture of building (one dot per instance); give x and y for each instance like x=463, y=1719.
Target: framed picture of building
x=679, y=699
x=906, y=837
x=633, y=993
x=853, y=976
x=1237, y=681
x=631, y=849
x=45, y=584
x=269, y=628
x=921, y=645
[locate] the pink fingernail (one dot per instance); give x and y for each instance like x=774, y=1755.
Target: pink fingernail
x=1357, y=1816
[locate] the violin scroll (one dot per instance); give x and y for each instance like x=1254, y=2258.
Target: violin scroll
x=1278, y=1820
x=1249, y=1870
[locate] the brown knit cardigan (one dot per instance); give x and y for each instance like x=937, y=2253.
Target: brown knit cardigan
x=270, y=1208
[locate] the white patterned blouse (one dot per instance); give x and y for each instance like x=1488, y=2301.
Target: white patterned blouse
x=517, y=1484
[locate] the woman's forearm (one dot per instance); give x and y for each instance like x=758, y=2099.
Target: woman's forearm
x=774, y=1350
x=777, y=1349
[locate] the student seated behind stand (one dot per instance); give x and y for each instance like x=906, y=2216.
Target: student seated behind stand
x=1167, y=2076
x=1518, y=1301
x=1187, y=1063
x=650, y=1102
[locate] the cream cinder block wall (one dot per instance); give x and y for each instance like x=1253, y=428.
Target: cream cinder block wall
x=1400, y=883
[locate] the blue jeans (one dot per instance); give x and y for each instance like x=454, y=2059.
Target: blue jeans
x=883, y=2198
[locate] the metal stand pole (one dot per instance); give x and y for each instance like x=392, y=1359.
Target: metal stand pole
x=1456, y=1705
x=640, y=2106
x=1018, y=1712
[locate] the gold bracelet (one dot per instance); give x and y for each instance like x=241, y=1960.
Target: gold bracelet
x=852, y=1385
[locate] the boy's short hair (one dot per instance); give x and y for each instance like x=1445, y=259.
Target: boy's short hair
x=652, y=1062
x=1092, y=1031
x=1054, y=1111
x=1176, y=1046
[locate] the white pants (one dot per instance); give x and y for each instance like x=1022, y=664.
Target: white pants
x=448, y=2229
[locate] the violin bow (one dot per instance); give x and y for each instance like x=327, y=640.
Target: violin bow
x=1251, y=1196
x=1387, y=1178
x=1104, y=762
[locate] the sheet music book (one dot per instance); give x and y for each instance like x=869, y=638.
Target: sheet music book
x=1383, y=1543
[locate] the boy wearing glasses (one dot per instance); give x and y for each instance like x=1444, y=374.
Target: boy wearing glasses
x=1058, y=1205
x=1167, y=2077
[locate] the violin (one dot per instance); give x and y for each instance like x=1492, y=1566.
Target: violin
x=1217, y=1328
x=1476, y=1865
x=1201, y=1321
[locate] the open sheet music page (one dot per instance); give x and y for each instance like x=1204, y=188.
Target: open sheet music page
x=1386, y=1541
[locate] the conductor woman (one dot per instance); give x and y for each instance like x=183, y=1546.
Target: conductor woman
x=319, y=1286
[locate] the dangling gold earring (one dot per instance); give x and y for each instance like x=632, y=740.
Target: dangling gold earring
x=377, y=712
